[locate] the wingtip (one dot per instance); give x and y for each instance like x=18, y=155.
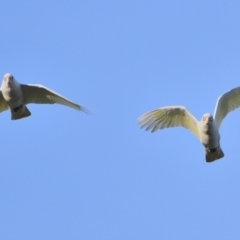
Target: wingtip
x=84, y=110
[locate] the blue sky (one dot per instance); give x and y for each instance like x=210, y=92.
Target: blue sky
x=69, y=175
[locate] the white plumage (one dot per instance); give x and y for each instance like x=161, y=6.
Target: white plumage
x=207, y=130
x=16, y=96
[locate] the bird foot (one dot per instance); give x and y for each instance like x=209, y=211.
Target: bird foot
x=212, y=150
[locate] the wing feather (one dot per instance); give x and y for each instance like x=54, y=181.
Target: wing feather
x=166, y=117
x=40, y=94
x=226, y=103
x=3, y=103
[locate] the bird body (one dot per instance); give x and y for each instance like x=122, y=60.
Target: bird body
x=13, y=95
x=16, y=96
x=210, y=138
x=209, y=135
x=206, y=130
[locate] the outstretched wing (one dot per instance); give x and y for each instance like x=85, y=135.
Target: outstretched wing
x=3, y=104
x=166, y=117
x=40, y=94
x=226, y=103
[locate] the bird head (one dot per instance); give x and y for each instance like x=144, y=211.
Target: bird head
x=8, y=78
x=207, y=119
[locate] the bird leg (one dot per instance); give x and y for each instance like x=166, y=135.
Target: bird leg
x=212, y=150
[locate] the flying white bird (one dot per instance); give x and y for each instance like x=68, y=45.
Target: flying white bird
x=16, y=96
x=207, y=130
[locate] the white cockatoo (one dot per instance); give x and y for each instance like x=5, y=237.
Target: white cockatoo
x=207, y=130
x=15, y=96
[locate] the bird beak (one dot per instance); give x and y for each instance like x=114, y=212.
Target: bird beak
x=208, y=122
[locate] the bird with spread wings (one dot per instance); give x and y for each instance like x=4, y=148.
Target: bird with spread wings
x=206, y=130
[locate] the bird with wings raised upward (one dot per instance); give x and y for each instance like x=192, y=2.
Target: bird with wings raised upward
x=206, y=130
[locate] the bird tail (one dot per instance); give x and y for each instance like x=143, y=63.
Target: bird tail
x=213, y=154
x=20, y=113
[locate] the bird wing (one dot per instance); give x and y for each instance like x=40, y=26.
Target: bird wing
x=3, y=103
x=226, y=103
x=166, y=117
x=40, y=94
